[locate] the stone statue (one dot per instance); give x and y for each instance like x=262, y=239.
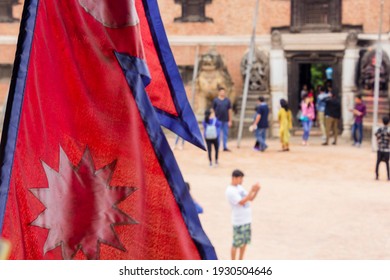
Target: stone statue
x=276, y=40
x=367, y=71
x=352, y=39
x=259, y=76
x=212, y=74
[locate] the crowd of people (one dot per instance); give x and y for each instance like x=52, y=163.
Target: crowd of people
x=323, y=109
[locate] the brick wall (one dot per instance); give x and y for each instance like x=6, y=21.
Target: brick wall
x=234, y=17
x=13, y=28
x=366, y=13
x=231, y=17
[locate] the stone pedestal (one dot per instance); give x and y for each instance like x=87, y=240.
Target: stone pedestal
x=278, y=81
x=351, y=58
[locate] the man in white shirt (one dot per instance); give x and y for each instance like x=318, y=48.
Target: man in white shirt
x=239, y=199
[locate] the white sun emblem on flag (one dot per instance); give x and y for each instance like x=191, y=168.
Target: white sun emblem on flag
x=112, y=13
x=81, y=207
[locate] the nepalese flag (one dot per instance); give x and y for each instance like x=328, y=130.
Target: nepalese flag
x=86, y=171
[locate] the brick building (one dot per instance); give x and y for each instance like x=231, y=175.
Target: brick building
x=296, y=37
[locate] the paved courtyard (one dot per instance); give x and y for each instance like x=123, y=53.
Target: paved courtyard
x=316, y=202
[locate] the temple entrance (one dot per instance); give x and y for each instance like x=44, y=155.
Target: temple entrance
x=314, y=75
x=307, y=71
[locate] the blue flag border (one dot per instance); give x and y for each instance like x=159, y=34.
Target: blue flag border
x=185, y=124
x=137, y=75
x=15, y=100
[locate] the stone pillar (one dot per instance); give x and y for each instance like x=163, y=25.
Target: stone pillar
x=278, y=78
x=278, y=81
x=350, y=61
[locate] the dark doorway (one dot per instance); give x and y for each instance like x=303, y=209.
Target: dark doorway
x=311, y=69
x=314, y=75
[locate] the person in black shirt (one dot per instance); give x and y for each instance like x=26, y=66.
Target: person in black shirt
x=383, y=138
x=261, y=123
x=332, y=117
x=223, y=111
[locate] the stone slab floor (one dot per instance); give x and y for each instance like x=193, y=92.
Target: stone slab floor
x=316, y=202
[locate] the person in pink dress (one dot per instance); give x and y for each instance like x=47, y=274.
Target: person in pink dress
x=307, y=117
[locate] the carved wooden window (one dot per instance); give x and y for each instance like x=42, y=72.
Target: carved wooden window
x=316, y=12
x=6, y=10
x=315, y=15
x=193, y=11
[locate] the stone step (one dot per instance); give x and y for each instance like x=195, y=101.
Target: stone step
x=383, y=102
x=315, y=131
x=383, y=108
x=251, y=103
x=370, y=100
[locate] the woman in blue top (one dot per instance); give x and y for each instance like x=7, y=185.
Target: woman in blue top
x=211, y=132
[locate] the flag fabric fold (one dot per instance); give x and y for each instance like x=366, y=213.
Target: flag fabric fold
x=87, y=172
x=171, y=104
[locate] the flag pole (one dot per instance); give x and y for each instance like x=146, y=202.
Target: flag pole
x=194, y=74
x=378, y=64
x=247, y=74
x=193, y=88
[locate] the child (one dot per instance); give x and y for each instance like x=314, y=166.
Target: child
x=239, y=199
x=383, y=137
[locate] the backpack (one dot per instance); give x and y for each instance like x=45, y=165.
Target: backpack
x=211, y=131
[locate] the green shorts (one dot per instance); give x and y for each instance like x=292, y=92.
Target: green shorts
x=241, y=235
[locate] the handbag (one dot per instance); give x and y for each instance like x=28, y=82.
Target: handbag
x=299, y=115
x=304, y=118
x=211, y=131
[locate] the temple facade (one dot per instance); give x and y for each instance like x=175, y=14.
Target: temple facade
x=298, y=42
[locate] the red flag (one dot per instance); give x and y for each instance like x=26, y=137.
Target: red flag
x=86, y=170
